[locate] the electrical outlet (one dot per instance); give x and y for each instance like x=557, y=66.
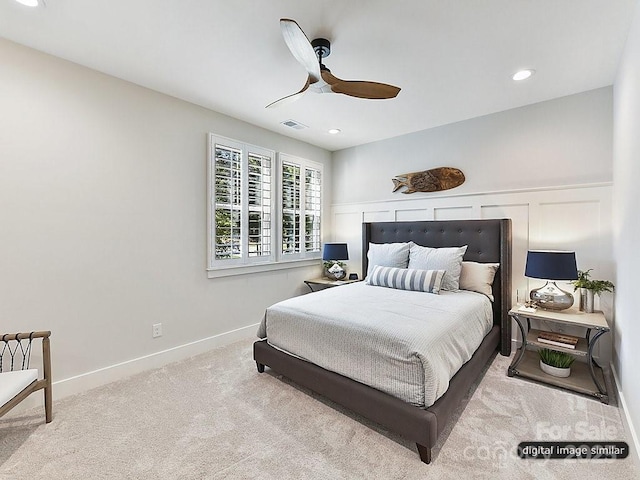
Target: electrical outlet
x=157, y=330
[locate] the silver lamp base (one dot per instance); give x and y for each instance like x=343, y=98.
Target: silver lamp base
x=335, y=272
x=551, y=297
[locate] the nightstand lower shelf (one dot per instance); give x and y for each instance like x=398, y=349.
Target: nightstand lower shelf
x=587, y=377
x=579, y=381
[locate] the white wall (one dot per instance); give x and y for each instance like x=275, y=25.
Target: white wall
x=103, y=219
x=547, y=166
x=626, y=168
x=560, y=142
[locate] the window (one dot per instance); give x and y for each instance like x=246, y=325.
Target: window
x=247, y=221
x=313, y=207
x=301, y=190
x=290, y=208
x=240, y=191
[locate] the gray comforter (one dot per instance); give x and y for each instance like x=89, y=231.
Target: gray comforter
x=407, y=344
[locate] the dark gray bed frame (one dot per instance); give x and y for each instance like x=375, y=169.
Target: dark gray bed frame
x=488, y=241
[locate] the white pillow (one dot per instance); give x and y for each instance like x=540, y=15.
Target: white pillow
x=446, y=258
x=478, y=277
x=388, y=255
x=406, y=279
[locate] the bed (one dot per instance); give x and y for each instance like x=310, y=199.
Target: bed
x=488, y=241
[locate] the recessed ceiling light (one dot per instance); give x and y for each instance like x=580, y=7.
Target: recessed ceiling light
x=522, y=74
x=30, y=3
x=334, y=131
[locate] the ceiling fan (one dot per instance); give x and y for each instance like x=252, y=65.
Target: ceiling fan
x=320, y=79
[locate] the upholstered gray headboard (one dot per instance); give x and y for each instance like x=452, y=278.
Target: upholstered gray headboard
x=487, y=240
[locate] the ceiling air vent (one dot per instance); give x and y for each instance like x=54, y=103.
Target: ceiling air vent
x=293, y=124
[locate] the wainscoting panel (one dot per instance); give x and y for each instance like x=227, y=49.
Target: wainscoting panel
x=378, y=215
x=574, y=218
x=453, y=213
x=347, y=227
x=573, y=226
x=411, y=215
x=519, y=215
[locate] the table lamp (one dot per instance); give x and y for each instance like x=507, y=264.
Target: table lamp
x=332, y=253
x=551, y=265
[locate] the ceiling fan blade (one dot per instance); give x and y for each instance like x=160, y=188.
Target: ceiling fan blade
x=300, y=47
x=360, y=89
x=290, y=98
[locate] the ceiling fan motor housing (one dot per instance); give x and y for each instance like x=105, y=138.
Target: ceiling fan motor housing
x=322, y=47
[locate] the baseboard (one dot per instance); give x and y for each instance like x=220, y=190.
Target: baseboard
x=634, y=446
x=96, y=378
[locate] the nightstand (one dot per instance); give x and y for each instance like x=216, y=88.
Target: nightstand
x=587, y=376
x=317, y=284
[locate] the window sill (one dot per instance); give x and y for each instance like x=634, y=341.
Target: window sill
x=259, y=268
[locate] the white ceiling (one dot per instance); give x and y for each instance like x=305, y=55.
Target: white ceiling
x=453, y=59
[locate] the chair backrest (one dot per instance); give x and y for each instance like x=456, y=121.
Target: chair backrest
x=15, y=356
x=15, y=351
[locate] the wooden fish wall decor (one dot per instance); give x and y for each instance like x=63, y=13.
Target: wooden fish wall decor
x=434, y=180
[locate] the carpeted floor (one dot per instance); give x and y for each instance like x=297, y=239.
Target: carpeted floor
x=214, y=417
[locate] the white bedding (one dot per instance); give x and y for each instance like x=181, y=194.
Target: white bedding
x=408, y=344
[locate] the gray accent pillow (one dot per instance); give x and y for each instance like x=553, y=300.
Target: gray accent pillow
x=388, y=255
x=445, y=258
x=406, y=279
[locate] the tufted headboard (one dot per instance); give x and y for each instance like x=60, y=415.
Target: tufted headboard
x=487, y=240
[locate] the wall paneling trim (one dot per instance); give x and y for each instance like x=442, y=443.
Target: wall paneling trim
x=570, y=218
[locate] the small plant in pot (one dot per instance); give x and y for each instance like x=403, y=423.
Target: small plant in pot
x=600, y=286
x=589, y=288
x=583, y=279
x=555, y=363
x=582, y=284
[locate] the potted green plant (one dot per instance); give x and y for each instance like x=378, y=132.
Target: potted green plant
x=581, y=284
x=583, y=279
x=600, y=286
x=596, y=287
x=555, y=363
x=589, y=288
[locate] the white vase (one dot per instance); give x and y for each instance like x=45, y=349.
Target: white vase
x=555, y=371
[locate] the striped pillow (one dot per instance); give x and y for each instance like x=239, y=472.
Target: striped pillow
x=406, y=278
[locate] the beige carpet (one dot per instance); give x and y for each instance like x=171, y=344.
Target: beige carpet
x=214, y=417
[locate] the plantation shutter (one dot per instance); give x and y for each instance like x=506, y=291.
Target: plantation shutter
x=228, y=202
x=290, y=208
